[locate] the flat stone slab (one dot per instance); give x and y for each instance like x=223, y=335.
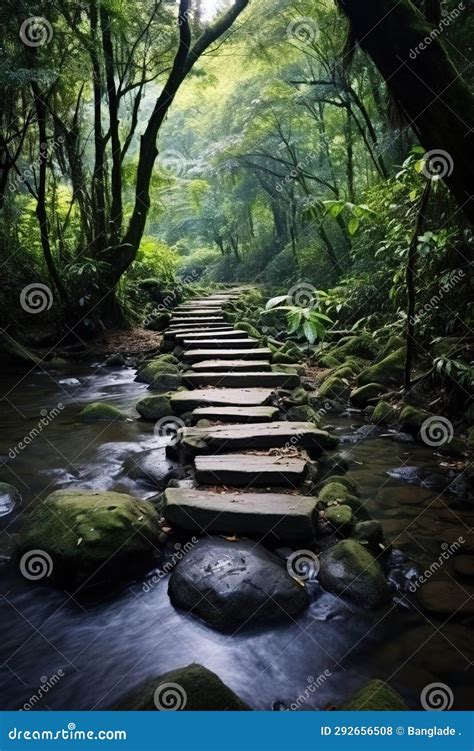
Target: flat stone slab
x=225, y=334
x=285, y=516
x=236, y=414
x=195, y=312
x=245, y=379
x=186, y=401
x=260, y=436
x=198, y=354
x=212, y=343
x=219, y=366
x=179, y=328
x=196, y=319
x=249, y=469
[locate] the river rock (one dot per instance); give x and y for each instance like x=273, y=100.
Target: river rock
x=232, y=584
x=99, y=411
x=369, y=532
x=161, y=373
x=88, y=538
x=9, y=498
x=340, y=518
x=364, y=394
x=191, y=688
x=349, y=570
x=151, y=467
x=376, y=695
x=388, y=372
x=154, y=407
x=384, y=412
x=115, y=360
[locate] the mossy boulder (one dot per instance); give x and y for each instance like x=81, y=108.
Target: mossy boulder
x=349, y=570
x=334, y=388
x=115, y=360
x=340, y=518
x=251, y=330
x=193, y=688
x=341, y=480
x=302, y=413
x=282, y=357
x=92, y=538
x=388, y=372
x=361, y=345
x=154, y=407
x=158, y=322
x=329, y=361
x=384, y=412
x=161, y=373
x=9, y=498
x=363, y=394
x=412, y=418
x=369, y=532
x=99, y=411
x=334, y=491
x=344, y=371
x=375, y=696
x=299, y=396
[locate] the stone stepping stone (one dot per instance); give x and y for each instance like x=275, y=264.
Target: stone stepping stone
x=183, y=327
x=249, y=469
x=198, y=354
x=171, y=333
x=286, y=516
x=186, y=401
x=219, y=366
x=236, y=414
x=226, y=334
x=196, y=313
x=260, y=436
x=246, y=379
x=188, y=321
x=218, y=344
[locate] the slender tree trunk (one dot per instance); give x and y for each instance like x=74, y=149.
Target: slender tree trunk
x=98, y=179
x=116, y=210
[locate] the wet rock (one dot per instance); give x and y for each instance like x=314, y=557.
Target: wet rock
x=162, y=373
x=375, y=696
x=340, y=518
x=334, y=388
x=447, y=597
x=99, y=411
x=364, y=394
x=69, y=382
x=369, y=532
x=154, y=407
x=349, y=570
x=342, y=480
x=384, y=413
x=399, y=436
x=191, y=688
x=231, y=584
x=159, y=322
x=88, y=538
x=9, y=498
x=388, y=372
x=303, y=413
x=151, y=467
x=411, y=419
x=115, y=360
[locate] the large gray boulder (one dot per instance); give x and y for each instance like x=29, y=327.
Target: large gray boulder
x=349, y=570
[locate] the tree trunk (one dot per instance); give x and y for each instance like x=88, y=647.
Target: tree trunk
x=425, y=83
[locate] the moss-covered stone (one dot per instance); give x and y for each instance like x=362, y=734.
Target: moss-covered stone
x=374, y=696
x=349, y=570
x=115, y=360
x=341, y=480
x=361, y=345
x=334, y=388
x=411, y=418
x=329, y=361
x=370, y=532
x=384, y=412
x=9, y=498
x=154, y=407
x=388, y=372
x=162, y=373
x=344, y=371
x=334, y=491
x=454, y=447
x=92, y=538
x=191, y=688
x=299, y=396
x=302, y=413
x=101, y=411
x=341, y=518
x=364, y=394
x=283, y=357
x=251, y=330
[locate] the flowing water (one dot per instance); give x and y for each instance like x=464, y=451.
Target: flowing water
x=94, y=650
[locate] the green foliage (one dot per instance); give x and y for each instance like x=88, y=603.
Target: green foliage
x=303, y=322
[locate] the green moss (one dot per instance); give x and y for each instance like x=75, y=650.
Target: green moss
x=411, y=418
x=328, y=361
x=348, y=569
x=334, y=388
x=344, y=371
x=302, y=413
x=388, y=372
x=283, y=357
x=299, y=396
x=92, y=537
x=333, y=491
x=355, y=346
x=384, y=413
x=374, y=696
x=340, y=480
x=364, y=394
x=154, y=407
x=101, y=411
x=341, y=518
